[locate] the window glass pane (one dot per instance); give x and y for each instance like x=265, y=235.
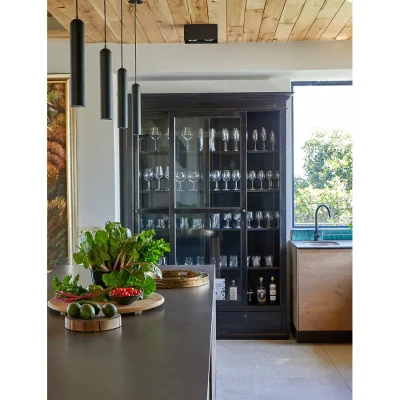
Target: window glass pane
x=323, y=153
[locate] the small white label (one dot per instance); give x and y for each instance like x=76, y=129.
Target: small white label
x=220, y=289
x=261, y=296
x=233, y=293
x=272, y=298
x=272, y=292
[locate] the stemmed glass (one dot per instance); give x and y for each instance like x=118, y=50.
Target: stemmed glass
x=249, y=218
x=217, y=178
x=166, y=176
x=212, y=139
x=236, y=178
x=227, y=218
x=226, y=176
x=180, y=177
x=261, y=177
x=155, y=135
x=259, y=217
x=201, y=139
x=277, y=177
x=237, y=218
x=187, y=135
x=255, y=137
x=263, y=137
x=269, y=217
x=236, y=138
x=193, y=177
x=270, y=175
x=148, y=176
x=272, y=140
x=277, y=217
x=158, y=174
x=225, y=138
x=141, y=137
x=252, y=177
x=167, y=134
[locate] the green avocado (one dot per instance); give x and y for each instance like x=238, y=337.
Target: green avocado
x=87, y=311
x=109, y=310
x=73, y=310
x=92, y=303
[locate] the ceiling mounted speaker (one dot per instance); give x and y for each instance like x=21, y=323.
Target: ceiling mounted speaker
x=201, y=33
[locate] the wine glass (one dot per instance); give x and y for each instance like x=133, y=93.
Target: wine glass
x=148, y=176
x=187, y=135
x=167, y=134
x=263, y=137
x=236, y=178
x=252, y=177
x=269, y=217
x=227, y=218
x=259, y=217
x=237, y=217
x=249, y=218
x=155, y=135
x=255, y=137
x=166, y=176
x=269, y=175
x=212, y=139
x=158, y=174
x=226, y=176
x=261, y=177
x=277, y=177
x=201, y=139
x=236, y=137
x=225, y=138
x=180, y=178
x=277, y=218
x=141, y=137
x=272, y=140
x=217, y=178
x=193, y=177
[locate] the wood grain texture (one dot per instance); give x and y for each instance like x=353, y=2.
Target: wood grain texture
x=198, y=11
x=252, y=21
x=306, y=18
x=294, y=282
x=234, y=34
x=324, y=17
x=180, y=15
x=181, y=279
x=338, y=22
x=324, y=289
x=270, y=19
x=97, y=324
x=153, y=301
x=164, y=19
x=217, y=15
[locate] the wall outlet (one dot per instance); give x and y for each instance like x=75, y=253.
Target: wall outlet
x=80, y=230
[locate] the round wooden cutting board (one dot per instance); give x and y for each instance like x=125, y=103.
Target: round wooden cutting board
x=153, y=301
x=181, y=278
x=97, y=324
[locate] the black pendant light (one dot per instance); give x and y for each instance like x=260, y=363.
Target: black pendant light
x=136, y=97
x=77, y=56
x=105, y=75
x=122, y=76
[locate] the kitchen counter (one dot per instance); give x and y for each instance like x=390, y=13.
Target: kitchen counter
x=343, y=244
x=164, y=353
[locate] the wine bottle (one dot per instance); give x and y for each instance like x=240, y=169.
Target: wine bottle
x=272, y=291
x=261, y=292
x=250, y=295
x=233, y=291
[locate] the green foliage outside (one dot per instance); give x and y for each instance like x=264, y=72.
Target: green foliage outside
x=328, y=168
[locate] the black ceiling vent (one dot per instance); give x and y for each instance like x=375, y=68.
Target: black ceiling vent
x=201, y=33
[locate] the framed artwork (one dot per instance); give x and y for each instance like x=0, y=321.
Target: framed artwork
x=61, y=172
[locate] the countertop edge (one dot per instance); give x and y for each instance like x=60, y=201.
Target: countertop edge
x=343, y=244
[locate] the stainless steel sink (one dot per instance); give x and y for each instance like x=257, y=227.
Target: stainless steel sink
x=320, y=243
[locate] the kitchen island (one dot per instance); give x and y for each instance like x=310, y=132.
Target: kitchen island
x=164, y=353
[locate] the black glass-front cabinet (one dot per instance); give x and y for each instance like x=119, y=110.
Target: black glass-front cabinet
x=208, y=175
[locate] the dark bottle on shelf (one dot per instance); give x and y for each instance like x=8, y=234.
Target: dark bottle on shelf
x=272, y=291
x=250, y=295
x=261, y=292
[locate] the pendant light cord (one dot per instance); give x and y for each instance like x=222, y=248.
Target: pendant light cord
x=135, y=40
x=105, y=25
x=76, y=5
x=122, y=56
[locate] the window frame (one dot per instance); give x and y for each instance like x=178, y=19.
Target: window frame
x=310, y=83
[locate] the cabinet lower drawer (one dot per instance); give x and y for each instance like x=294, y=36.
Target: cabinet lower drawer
x=249, y=322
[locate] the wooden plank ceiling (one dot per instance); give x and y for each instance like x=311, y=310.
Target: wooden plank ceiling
x=162, y=21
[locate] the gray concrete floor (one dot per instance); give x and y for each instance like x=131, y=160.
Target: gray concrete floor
x=283, y=370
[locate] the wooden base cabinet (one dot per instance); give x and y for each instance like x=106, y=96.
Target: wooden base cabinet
x=321, y=291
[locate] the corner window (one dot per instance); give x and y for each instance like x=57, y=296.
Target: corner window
x=322, y=125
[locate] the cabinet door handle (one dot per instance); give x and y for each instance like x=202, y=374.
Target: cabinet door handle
x=245, y=315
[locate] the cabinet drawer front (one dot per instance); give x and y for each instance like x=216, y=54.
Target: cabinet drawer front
x=249, y=322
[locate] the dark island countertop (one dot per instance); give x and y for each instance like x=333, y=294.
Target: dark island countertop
x=163, y=353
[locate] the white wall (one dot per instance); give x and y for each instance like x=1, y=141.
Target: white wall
x=168, y=68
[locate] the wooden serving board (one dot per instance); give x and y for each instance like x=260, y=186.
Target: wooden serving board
x=153, y=301
x=181, y=278
x=98, y=324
